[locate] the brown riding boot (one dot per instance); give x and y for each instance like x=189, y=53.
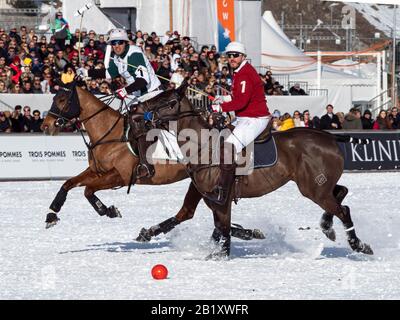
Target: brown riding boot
x=221, y=192
x=144, y=169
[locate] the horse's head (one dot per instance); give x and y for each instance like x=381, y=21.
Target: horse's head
x=64, y=108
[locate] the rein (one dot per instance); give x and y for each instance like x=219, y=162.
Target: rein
x=62, y=120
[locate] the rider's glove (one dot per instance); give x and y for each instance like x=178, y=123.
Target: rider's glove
x=218, y=100
x=216, y=107
x=122, y=93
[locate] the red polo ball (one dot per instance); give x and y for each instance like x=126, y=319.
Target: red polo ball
x=159, y=272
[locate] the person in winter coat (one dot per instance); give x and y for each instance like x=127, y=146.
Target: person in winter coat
x=330, y=121
x=61, y=31
x=15, y=66
x=352, y=120
x=367, y=121
x=382, y=121
x=287, y=122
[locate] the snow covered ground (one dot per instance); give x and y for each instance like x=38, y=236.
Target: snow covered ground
x=90, y=257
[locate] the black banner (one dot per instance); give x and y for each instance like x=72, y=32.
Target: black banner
x=382, y=153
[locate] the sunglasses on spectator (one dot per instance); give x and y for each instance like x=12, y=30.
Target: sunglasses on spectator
x=233, y=55
x=117, y=42
x=27, y=110
x=36, y=115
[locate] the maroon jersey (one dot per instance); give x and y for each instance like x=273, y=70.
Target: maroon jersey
x=248, y=98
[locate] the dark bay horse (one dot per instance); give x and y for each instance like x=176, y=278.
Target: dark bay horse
x=310, y=158
x=111, y=163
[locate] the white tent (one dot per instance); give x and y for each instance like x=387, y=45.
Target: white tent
x=282, y=57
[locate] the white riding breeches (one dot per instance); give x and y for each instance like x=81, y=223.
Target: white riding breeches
x=246, y=131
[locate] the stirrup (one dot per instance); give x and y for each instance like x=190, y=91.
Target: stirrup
x=148, y=173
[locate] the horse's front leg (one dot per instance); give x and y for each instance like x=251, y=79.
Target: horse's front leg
x=93, y=183
x=222, y=231
x=58, y=202
x=109, y=180
x=187, y=211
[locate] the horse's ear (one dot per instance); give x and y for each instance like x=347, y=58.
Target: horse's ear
x=183, y=87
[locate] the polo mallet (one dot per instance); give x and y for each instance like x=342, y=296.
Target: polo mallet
x=81, y=13
x=210, y=97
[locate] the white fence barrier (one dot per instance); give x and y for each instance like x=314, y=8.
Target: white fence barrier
x=43, y=102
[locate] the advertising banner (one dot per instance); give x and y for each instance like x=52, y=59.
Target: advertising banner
x=382, y=153
x=36, y=156
x=31, y=156
x=226, y=23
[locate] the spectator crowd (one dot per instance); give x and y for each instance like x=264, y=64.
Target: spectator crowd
x=353, y=120
x=30, y=63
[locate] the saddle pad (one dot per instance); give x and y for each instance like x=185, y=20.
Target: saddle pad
x=166, y=147
x=265, y=154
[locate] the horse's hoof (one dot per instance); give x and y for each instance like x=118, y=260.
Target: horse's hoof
x=51, y=220
x=144, y=235
x=366, y=249
x=113, y=212
x=358, y=246
x=330, y=234
x=258, y=234
x=50, y=224
x=218, y=256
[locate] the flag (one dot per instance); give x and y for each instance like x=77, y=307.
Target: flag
x=226, y=23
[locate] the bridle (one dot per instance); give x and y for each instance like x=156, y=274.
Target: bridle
x=59, y=113
x=154, y=115
x=64, y=116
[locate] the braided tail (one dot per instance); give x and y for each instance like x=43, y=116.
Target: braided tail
x=346, y=139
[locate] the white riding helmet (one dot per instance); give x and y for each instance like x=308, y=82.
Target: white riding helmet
x=235, y=47
x=117, y=34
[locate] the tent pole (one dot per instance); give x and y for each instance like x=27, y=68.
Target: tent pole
x=379, y=75
x=319, y=66
x=394, y=95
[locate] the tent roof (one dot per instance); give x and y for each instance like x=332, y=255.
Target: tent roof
x=283, y=57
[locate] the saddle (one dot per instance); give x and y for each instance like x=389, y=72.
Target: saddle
x=262, y=137
x=265, y=135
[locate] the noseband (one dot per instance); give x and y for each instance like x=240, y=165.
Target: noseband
x=60, y=114
x=61, y=120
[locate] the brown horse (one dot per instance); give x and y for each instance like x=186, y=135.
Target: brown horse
x=111, y=163
x=310, y=158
